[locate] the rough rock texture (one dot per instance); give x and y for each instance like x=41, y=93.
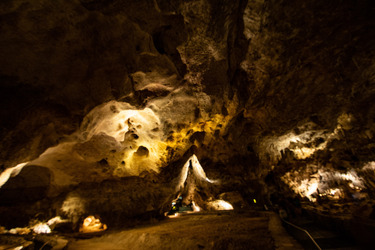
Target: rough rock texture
x=310, y=80
x=275, y=98
x=241, y=231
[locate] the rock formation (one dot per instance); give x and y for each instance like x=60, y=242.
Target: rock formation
x=106, y=100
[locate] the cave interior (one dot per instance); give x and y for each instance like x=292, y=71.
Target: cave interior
x=187, y=124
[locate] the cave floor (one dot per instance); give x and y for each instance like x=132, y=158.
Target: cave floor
x=209, y=230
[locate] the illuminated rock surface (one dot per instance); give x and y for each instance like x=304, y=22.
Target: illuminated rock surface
x=116, y=108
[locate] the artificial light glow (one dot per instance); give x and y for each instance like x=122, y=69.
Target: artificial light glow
x=11, y=172
x=220, y=205
x=311, y=188
x=304, y=152
x=208, y=125
x=42, y=228
x=369, y=166
x=39, y=228
x=197, y=171
x=129, y=140
x=20, y=230
x=195, y=207
x=55, y=220
x=322, y=182
x=334, y=193
x=91, y=225
x=210, y=181
x=183, y=176
x=275, y=144
x=173, y=215
x=124, y=129
x=352, y=176
x=134, y=128
x=272, y=146
x=115, y=119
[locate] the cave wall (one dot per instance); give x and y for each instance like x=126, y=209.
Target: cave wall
x=258, y=88
x=307, y=62
x=308, y=94
x=62, y=59
x=73, y=70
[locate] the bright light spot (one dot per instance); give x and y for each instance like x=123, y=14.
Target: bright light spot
x=304, y=144
x=334, y=193
x=91, y=225
x=55, y=220
x=127, y=129
x=304, y=152
x=369, y=166
x=353, y=177
x=254, y=200
x=131, y=140
x=173, y=215
x=42, y=228
x=323, y=181
x=11, y=172
x=197, y=171
x=183, y=176
x=115, y=118
x=195, y=207
x=20, y=230
x=220, y=205
x=210, y=181
x=311, y=189
x=273, y=145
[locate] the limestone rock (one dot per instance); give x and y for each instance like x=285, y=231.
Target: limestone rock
x=107, y=100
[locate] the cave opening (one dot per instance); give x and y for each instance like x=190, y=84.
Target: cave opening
x=187, y=124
